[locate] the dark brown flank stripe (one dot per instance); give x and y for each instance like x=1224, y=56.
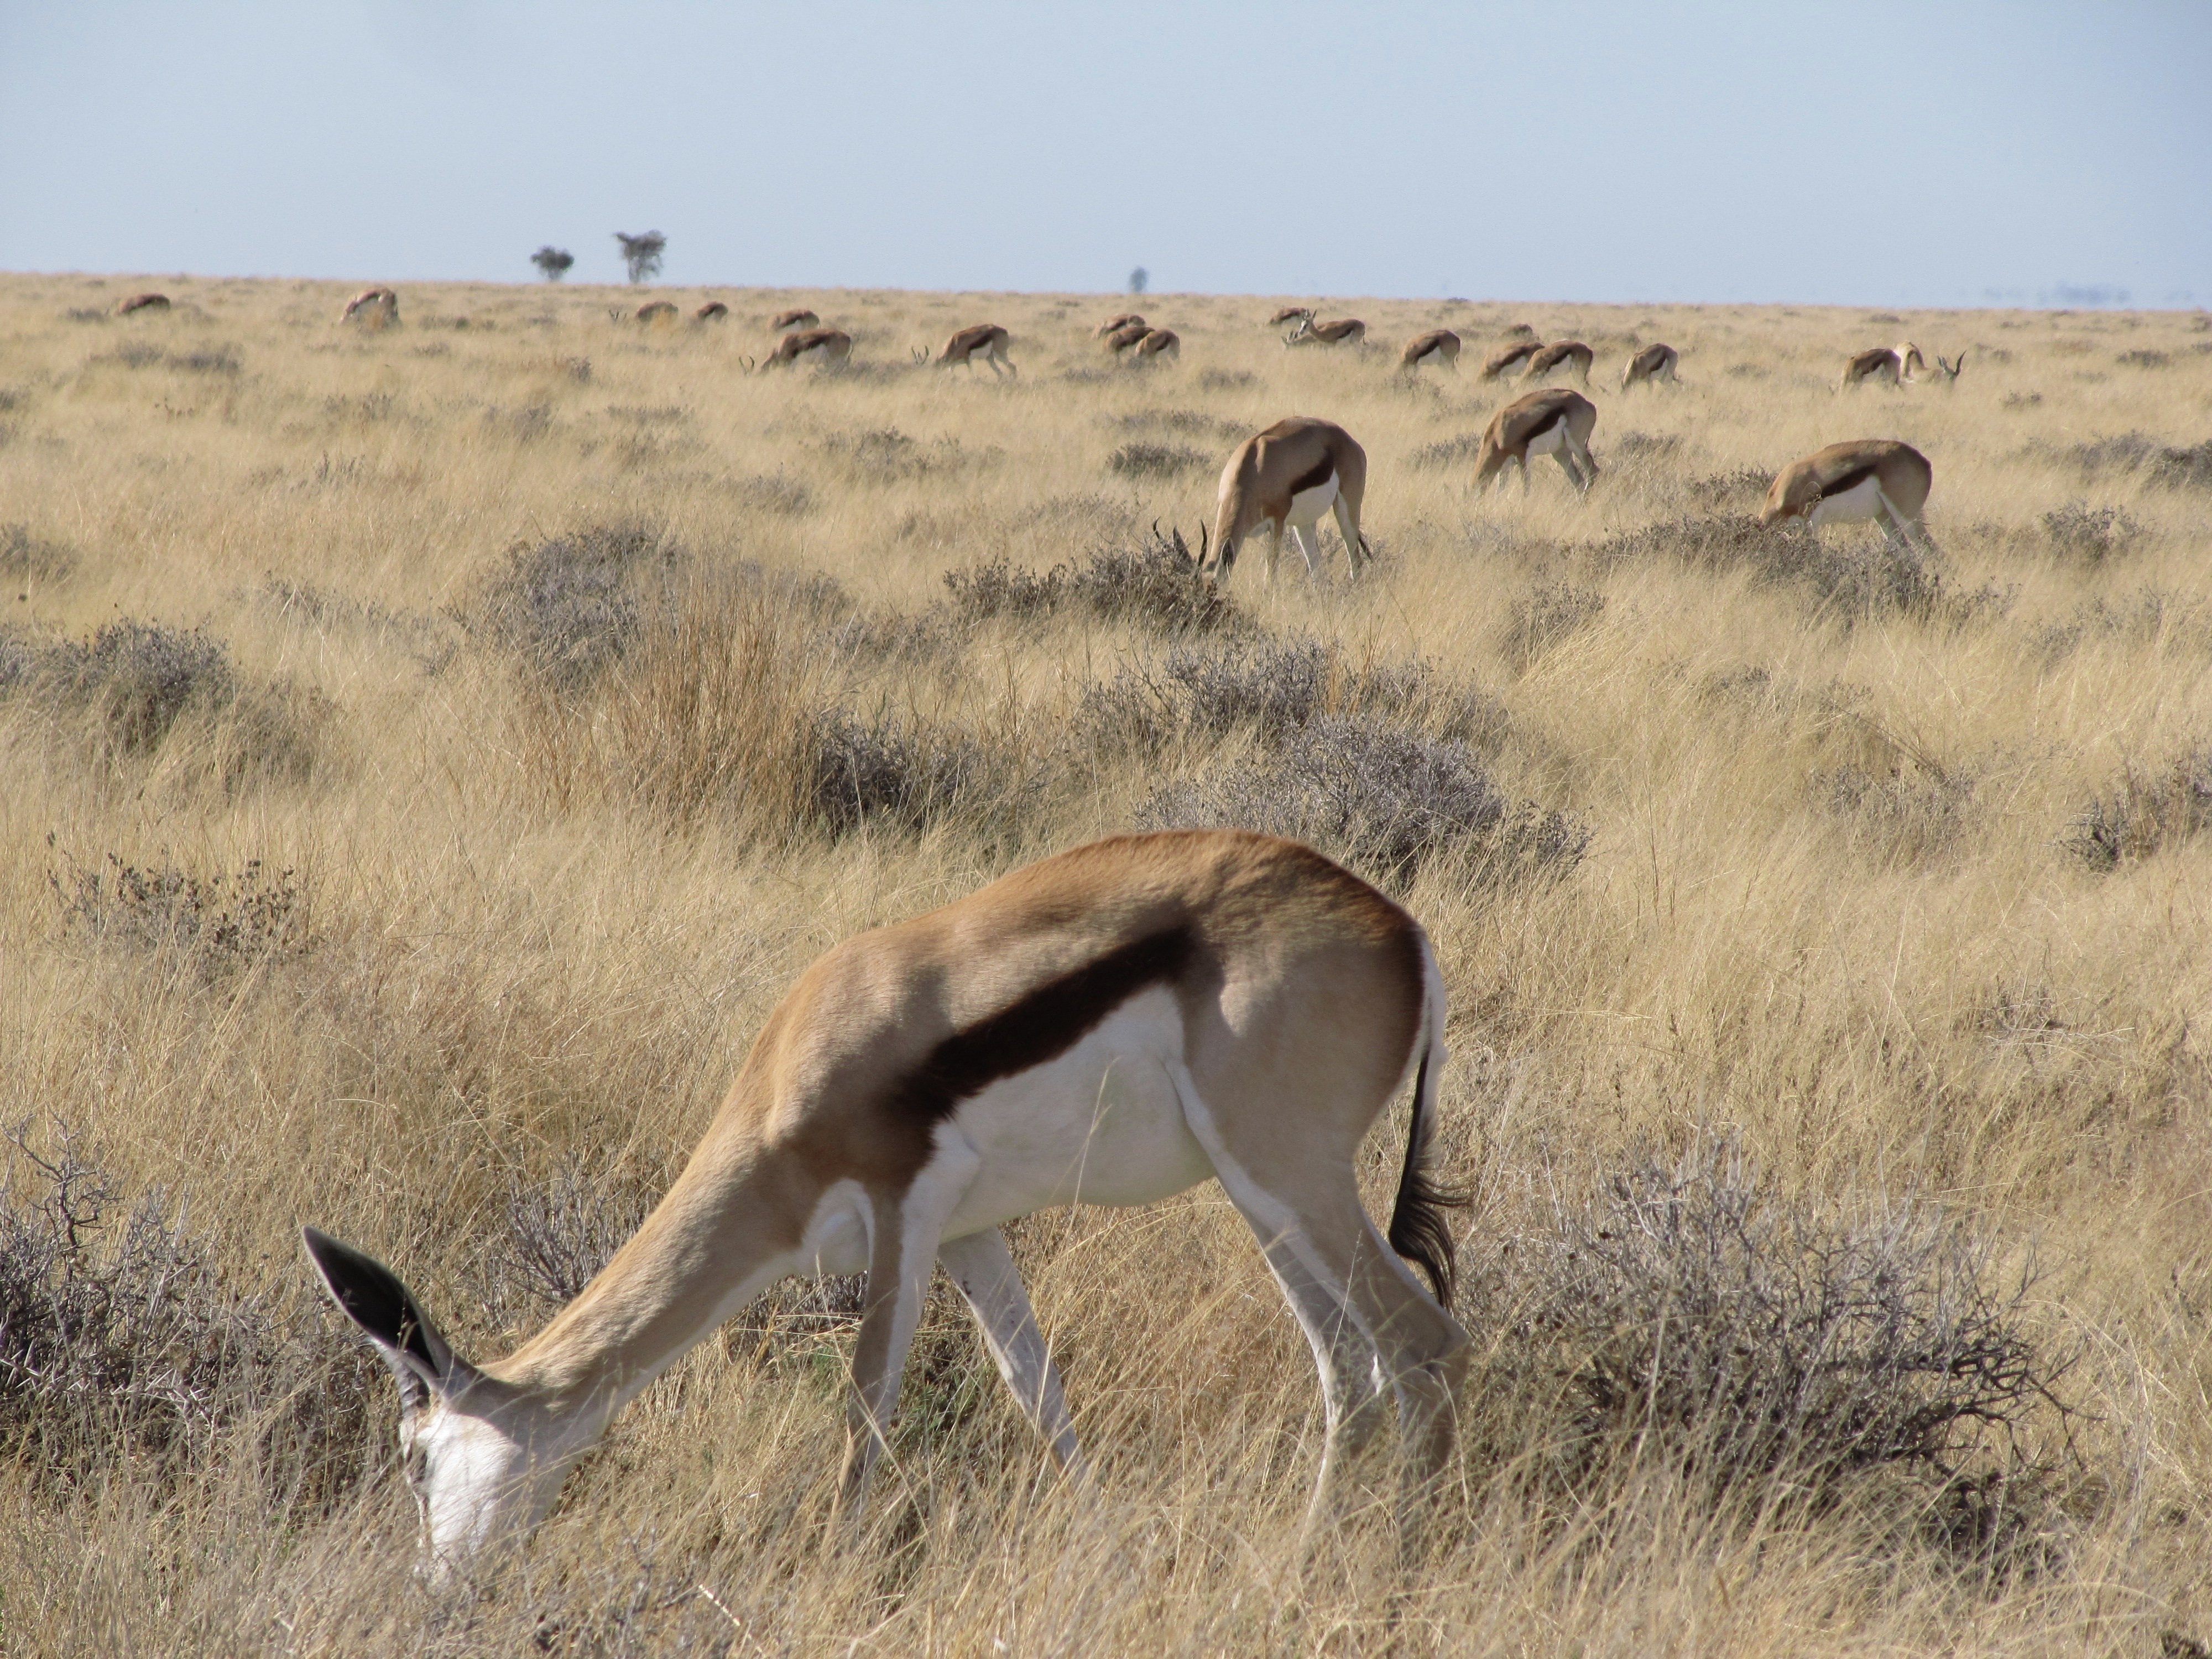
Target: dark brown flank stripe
x=1041, y=1027
x=1850, y=480
x=1314, y=477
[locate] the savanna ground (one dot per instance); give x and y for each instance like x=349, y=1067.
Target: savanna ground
x=430, y=753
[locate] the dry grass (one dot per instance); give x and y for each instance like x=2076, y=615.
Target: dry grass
x=582, y=690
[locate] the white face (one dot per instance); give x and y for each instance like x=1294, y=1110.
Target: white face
x=477, y=1485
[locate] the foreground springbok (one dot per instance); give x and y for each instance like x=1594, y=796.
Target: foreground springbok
x=1876, y=479
x=1439, y=347
x=1283, y=479
x=1650, y=366
x=1557, y=422
x=826, y=348
x=373, y=307
x=1111, y=1026
x=987, y=340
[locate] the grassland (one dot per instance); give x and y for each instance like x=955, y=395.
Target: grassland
x=429, y=753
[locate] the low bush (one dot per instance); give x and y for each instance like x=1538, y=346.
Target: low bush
x=1143, y=461
x=1155, y=582
x=1853, y=576
x=219, y=922
x=2092, y=534
x=2145, y=813
x=569, y=606
x=1905, y=814
x=1545, y=619
x=25, y=557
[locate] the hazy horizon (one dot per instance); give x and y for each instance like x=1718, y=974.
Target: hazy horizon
x=2016, y=155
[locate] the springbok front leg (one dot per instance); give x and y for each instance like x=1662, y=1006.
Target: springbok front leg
x=983, y=1269
x=903, y=1253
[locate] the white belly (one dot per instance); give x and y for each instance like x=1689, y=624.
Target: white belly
x=1307, y=505
x=1861, y=502
x=1552, y=437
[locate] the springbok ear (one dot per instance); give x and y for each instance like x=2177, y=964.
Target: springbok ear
x=370, y=1294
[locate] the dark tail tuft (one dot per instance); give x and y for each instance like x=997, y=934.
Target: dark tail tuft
x=1418, y=1228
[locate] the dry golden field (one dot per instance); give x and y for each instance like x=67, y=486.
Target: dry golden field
x=429, y=753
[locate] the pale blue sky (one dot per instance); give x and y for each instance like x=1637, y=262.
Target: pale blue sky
x=1861, y=153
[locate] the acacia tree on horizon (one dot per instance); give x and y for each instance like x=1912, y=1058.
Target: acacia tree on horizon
x=552, y=262
x=642, y=254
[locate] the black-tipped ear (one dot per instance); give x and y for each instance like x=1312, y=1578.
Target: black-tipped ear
x=370, y=1294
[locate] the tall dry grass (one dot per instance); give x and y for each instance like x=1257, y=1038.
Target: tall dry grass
x=430, y=753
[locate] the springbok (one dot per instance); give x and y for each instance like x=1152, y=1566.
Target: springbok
x=1156, y=343
x=785, y=321
x=1555, y=421
x=138, y=303
x=654, y=311
x=373, y=307
x=1110, y=1026
x=1512, y=356
x=1113, y=324
x=1291, y=314
x=986, y=340
x=1125, y=336
x=1650, y=366
x=1876, y=479
x=827, y=348
x=1571, y=355
x=1285, y=478
x=1346, y=330
x=1892, y=364
x=1947, y=373
x=714, y=311
x=1439, y=346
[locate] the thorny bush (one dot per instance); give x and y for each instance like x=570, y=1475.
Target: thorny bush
x=570, y=605
x=219, y=922
x=1155, y=582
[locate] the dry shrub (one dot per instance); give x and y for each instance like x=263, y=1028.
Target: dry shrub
x=1911, y=813
x=885, y=454
x=217, y=923
x=1142, y=460
x=1545, y=619
x=2188, y=465
x=1155, y=582
x=1851, y=576
x=2145, y=813
x=25, y=557
x=569, y=606
x=2092, y=534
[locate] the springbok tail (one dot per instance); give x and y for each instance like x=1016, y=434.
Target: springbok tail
x=1420, y=1228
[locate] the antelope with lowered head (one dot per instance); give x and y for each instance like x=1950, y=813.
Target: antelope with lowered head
x=714, y=311
x=1438, y=347
x=1346, y=330
x=826, y=348
x=1866, y=479
x=1117, y=322
x=985, y=340
x=1892, y=365
x=1515, y=354
x=1650, y=366
x=1122, y=338
x=1111, y=1026
x=1156, y=344
x=785, y=321
x=1572, y=355
x=373, y=307
x=1556, y=422
x=1283, y=479
x=1290, y=314
x=138, y=303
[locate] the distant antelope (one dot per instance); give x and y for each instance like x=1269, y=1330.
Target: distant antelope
x=373, y=307
x=1156, y=343
x=1125, y=337
x=1520, y=332
x=1946, y=373
x=141, y=302
x=1114, y=323
x=1346, y=330
x=1876, y=479
x=1439, y=347
x=1556, y=422
x=1571, y=355
x=826, y=347
x=654, y=311
x=1507, y=358
x=1290, y=314
x=986, y=340
x=1892, y=364
x=785, y=321
x=713, y=311
x=1283, y=479
x=1650, y=366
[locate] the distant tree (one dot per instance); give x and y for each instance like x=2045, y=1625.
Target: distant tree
x=1139, y=280
x=553, y=262
x=642, y=254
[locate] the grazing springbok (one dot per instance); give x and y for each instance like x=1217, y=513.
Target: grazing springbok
x=373, y=307
x=1285, y=478
x=1110, y=1026
x=1571, y=355
x=1439, y=347
x=714, y=311
x=1291, y=314
x=1650, y=366
x=1892, y=365
x=1125, y=336
x=1876, y=479
x=1556, y=422
x=1346, y=330
x=785, y=321
x=1508, y=357
x=138, y=303
x=986, y=340
x=654, y=311
x=1113, y=324
x=826, y=348
x=1156, y=343
x=1947, y=372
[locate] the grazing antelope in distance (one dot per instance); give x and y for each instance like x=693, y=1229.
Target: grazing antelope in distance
x=373, y=307
x=827, y=348
x=986, y=340
x=1285, y=478
x=1125, y=336
x=1158, y=342
x=1557, y=422
x=1508, y=358
x=1571, y=355
x=1111, y=1026
x=1346, y=330
x=1439, y=346
x=1291, y=314
x=714, y=311
x=1876, y=479
x=655, y=311
x=1520, y=332
x=1116, y=324
x=1892, y=364
x=1947, y=373
x=1650, y=366
x=785, y=321
x=138, y=303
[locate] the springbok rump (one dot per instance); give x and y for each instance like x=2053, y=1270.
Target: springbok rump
x=1650, y=366
x=1877, y=480
x=1111, y=1026
x=1557, y=422
x=373, y=307
x=134, y=303
x=987, y=340
x=1438, y=347
x=1283, y=480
